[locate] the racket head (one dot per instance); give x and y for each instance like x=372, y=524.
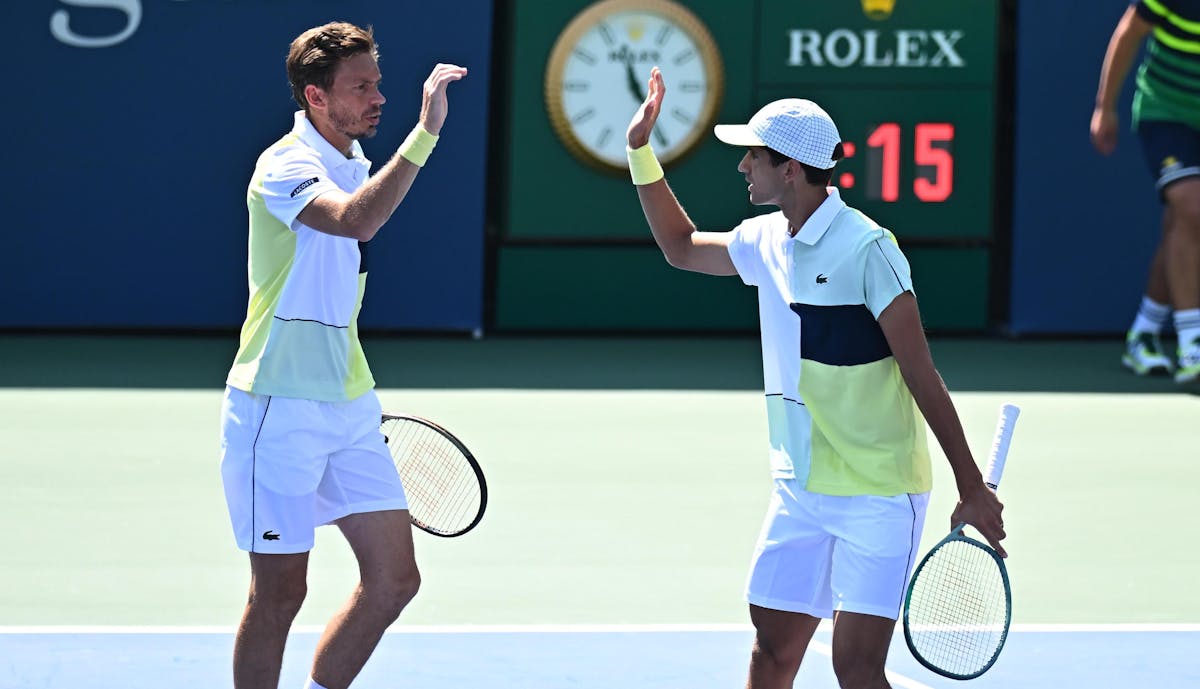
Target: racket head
x=958, y=608
x=446, y=490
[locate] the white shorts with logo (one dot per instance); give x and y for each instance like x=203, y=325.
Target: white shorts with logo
x=290, y=465
x=821, y=553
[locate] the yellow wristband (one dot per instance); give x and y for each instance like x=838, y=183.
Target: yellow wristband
x=417, y=147
x=643, y=166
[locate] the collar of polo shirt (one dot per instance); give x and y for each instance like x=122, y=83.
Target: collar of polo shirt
x=333, y=158
x=814, y=228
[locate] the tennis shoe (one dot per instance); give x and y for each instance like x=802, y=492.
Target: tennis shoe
x=1189, y=363
x=1144, y=355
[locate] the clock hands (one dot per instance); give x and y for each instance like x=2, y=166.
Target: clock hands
x=635, y=88
x=632, y=82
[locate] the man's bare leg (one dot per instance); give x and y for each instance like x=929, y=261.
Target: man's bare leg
x=1183, y=243
x=388, y=580
x=780, y=639
x=277, y=589
x=860, y=647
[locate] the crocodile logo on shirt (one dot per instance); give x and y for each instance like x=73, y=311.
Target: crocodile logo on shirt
x=821, y=279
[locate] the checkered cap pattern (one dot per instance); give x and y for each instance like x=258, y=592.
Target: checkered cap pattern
x=799, y=129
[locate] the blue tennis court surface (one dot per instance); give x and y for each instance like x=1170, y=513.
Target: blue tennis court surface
x=633, y=657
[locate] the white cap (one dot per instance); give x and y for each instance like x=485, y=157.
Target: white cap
x=795, y=127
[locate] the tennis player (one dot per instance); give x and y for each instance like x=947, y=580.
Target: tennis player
x=848, y=376
x=300, y=436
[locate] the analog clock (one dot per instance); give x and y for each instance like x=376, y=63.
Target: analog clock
x=598, y=70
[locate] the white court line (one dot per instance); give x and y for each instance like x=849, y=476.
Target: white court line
x=1168, y=627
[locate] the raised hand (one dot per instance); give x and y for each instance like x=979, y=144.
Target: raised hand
x=433, y=99
x=643, y=121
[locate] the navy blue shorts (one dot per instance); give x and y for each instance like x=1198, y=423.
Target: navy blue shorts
x=1172, y=151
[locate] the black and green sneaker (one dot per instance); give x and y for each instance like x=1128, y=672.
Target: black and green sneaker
x=1144, y=355
x=1189, y=362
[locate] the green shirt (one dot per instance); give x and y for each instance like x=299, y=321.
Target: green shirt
x=1168, y=81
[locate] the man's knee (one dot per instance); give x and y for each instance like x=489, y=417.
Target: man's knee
x=280, y=597
x=783, y=654
x=390, y=595
x=1184, y=207
x=857, y=670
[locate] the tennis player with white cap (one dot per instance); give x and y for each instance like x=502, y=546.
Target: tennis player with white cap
x=849, y=383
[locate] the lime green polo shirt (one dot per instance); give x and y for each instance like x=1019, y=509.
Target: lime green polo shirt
x=840, y=417
x=300, y=336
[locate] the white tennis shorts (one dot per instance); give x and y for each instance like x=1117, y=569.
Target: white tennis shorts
x=821, y=553
x=290, y=465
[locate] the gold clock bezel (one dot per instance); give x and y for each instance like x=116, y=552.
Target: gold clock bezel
x=677, y=14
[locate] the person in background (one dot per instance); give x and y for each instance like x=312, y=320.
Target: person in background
x=1166, y=117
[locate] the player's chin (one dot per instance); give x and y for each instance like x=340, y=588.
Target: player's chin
x=366, y=132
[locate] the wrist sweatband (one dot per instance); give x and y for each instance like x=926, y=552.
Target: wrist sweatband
x=417, y=147
x=643, y=166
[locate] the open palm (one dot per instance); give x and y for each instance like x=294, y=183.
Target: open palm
x=642, y=125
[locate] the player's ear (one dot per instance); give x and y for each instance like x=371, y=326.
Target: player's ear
x=792, y=170
x=314, y=95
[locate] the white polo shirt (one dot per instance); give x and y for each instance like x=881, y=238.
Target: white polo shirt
x=300, y=337
x=840, y=417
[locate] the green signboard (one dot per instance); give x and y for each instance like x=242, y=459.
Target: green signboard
x=943, y=44
x=911, y=86
x=910, y=83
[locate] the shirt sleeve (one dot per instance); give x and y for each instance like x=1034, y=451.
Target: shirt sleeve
x=887, y=274
x=291, y=180
x=1143, y=11
x=745, y=252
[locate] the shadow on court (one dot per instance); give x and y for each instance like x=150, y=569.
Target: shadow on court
x=701, y=362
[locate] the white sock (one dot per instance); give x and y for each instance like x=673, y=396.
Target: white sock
x=1187, y=326
x=1151, y=317
x=312, y=684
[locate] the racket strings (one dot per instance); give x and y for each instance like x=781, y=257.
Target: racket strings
x=441, y=485
x=426, y=459
x=958, y=612
x=438, y=493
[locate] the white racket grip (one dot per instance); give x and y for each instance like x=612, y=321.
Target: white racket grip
x=999, y=453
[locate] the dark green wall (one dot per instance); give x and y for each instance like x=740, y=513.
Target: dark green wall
x=575, y=252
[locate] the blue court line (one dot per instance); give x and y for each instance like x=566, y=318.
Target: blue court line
x=579, y=660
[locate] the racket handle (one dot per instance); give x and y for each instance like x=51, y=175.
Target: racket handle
x=999, y=453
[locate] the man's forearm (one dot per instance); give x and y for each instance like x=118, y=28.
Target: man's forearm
x=373, y=204
x=1118, y=59
x=669, y=224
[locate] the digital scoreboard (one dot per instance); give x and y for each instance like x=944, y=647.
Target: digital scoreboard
x=911, y=86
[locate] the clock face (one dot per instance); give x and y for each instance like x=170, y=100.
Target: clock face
x=599, y=70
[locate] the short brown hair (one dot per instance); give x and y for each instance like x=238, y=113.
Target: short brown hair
x=316, y=53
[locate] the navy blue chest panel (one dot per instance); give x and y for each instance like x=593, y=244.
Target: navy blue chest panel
x=840, y=335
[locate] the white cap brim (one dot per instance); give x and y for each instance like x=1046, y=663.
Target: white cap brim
x=737, y=135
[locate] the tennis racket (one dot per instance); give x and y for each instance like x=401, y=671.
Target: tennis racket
x=959, y=605
x=444, y=484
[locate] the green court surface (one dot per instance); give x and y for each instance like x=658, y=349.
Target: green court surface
x=627, y=479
